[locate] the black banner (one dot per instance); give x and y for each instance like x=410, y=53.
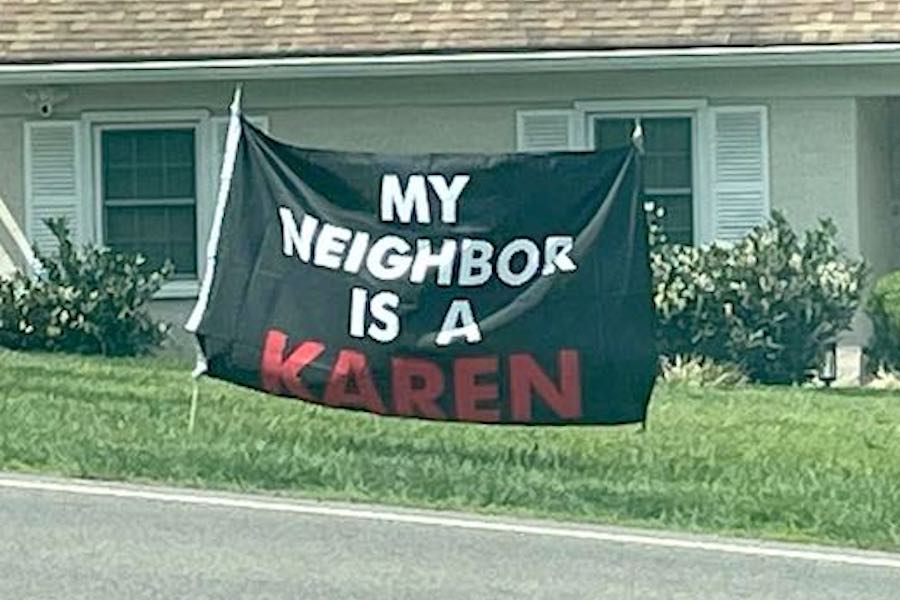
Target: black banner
x=492, y=288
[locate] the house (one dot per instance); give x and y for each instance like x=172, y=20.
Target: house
x=112, y=113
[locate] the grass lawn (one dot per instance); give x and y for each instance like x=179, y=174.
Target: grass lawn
x=764, y=461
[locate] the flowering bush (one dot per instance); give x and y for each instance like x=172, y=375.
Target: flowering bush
x=769, y=303
x=884, y=310
x=89, y=301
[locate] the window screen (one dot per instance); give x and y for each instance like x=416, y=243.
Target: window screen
x=149, y=195
x=668, y=167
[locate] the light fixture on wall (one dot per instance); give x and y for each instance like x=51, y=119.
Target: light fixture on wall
x=45, y=99
x=828, y=370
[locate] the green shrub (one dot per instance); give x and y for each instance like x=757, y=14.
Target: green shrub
x=884, y=310
x=88, y=301
x=768, y=303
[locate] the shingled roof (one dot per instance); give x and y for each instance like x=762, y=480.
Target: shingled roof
x=77, y=30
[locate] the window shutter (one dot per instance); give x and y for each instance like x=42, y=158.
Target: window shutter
x=549, y=130
x=53, y=181
x=740, y=170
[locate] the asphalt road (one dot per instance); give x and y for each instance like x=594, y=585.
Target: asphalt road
x=71, y=542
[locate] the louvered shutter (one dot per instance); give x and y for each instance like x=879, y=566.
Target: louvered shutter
x=740, y=170
x=53, y=181
x=549, y=130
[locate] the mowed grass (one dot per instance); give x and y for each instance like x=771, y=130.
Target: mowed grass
x=777, y=462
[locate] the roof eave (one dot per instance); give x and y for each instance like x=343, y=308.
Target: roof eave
x=213, y=69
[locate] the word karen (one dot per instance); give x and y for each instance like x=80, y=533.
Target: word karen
x=468, y=391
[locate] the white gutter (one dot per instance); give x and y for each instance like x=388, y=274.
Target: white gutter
x=459, y=63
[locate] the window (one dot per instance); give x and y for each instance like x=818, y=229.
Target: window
x=148, y=192
x=667, y=165
x=137, y=181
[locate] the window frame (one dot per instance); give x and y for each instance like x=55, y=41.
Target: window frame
x=199, y=122
x=105, y=203
x=694, y=109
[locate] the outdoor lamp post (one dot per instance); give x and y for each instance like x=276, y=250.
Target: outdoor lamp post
x=828, y=371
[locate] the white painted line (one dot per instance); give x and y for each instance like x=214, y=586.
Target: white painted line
x=87, y=489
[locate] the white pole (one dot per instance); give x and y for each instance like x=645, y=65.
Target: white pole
x=231, y=145
x=212, y=246
x=192, y=415
x=637, y=137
